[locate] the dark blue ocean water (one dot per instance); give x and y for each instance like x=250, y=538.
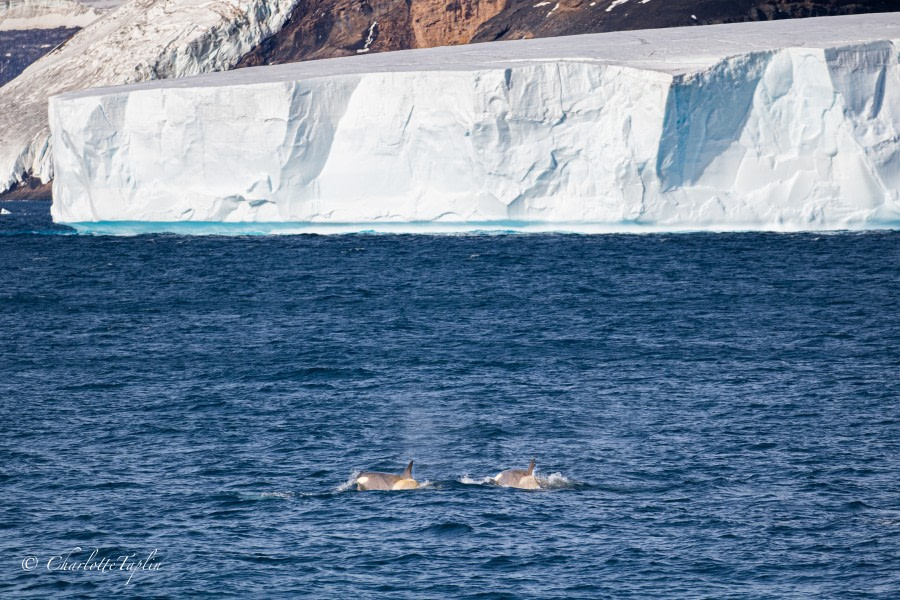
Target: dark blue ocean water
x=718, y=415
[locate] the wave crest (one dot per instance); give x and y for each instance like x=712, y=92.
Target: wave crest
x=466, y=480
x=349, y=484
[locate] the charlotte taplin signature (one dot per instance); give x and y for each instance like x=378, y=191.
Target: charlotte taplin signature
x=125, y=563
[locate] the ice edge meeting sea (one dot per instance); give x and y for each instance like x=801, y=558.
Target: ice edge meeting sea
x=782, y=126
x=128, y=228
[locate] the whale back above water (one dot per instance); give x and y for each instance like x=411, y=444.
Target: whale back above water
x=373, y=480
x=518, y=478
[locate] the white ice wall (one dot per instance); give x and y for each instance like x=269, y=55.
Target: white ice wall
x=785, y=139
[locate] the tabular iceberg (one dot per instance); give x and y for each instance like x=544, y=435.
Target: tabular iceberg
x=790, y=125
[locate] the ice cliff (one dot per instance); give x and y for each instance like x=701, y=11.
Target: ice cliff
x=786, y=125
x=142, y=40
x=46, y=14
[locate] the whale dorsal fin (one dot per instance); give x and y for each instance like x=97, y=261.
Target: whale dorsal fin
x=407, y=473
x=531, y=467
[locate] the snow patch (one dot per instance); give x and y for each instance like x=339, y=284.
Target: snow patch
x=369, y=38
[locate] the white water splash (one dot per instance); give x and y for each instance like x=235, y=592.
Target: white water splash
x=266, y=495
x=465, y=479
x=555, y=481
x=349, y=484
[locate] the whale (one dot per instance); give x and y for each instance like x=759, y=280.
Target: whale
x=372, y=480
x=518, y=478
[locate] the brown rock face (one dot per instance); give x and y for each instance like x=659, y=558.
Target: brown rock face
x=30, y=189
x=441, y=23
x=329, y=28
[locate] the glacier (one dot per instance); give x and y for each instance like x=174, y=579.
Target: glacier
x=47, y=14
x=138, y=41
x=785, y=126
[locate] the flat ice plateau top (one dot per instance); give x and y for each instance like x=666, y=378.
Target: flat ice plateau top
x=785, y=125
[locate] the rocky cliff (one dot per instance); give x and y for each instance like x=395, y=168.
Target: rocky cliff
x=330, y=28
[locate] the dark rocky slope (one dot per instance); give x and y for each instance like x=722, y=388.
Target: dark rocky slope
x=20, y=48
x=329, y=28
x=30, y=189
x=522, y=19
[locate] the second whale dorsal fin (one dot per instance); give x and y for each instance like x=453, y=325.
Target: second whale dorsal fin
x=407, y=473
x=530, y=467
